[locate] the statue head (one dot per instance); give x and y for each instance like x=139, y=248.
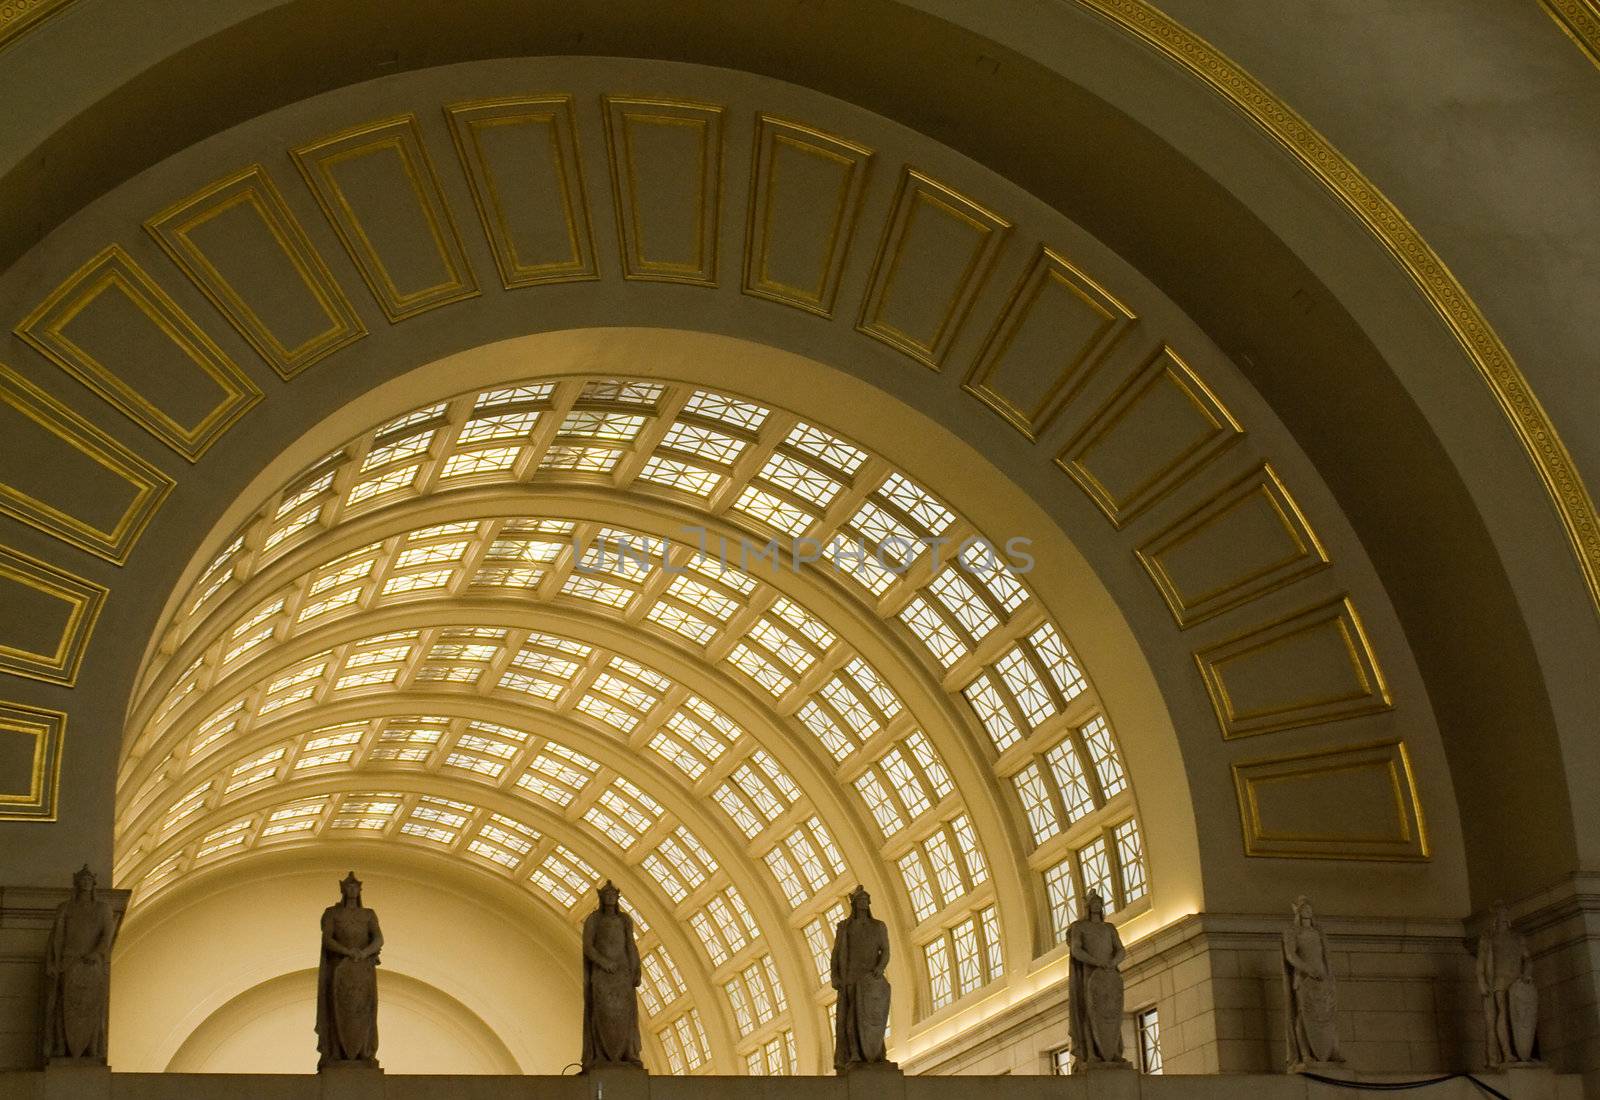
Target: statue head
x=1302, y=910
x=860, y=902
x=1502, y=916
x=83, y=880
x=350, y=888
x=610, y=897
x=1095, y=905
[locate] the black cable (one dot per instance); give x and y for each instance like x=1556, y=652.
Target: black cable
x=1400, y=1086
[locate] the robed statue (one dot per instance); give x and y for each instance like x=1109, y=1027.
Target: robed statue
x=1311, y=1021
x=611, y=974
x=347, y=981
x=77, y=971
x=1510, y=999
x=860, y=956
x=1094, y=986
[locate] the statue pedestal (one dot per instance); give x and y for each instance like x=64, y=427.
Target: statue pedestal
x=1527, y=1080
x=351, y=1081
x=76, y=1079
x=1108, y=1080
x=874, y=1081
x=611, y=1081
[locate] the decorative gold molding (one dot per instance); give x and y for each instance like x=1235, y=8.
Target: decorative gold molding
x=919, y=193
x=1383, y=767
x=853, y=163
x=84, y=600
x=1302, y=552
x=402, y=138
x=1438, y=284
x=174, y=227
x=1218, y=431
x=468, y=124
x=48, y=729
x=1332, y=626
x=1049, y=268
x=18, y=17
x=1579, y=20
x=150, y=485
x=624, y=119
x=113, y=270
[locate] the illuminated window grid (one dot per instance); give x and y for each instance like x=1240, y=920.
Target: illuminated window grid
x=907, y=781
x=684, y=1041
x=409, y=739
x=485, y=749
x=964, y=958
x=299, y=509
x=219, y=842
x=256, y=770
x=503, y=841
x=217, y=573
x=694, y=458
x=756, y=793
x=565, y=876
x=300, y=684
x=300, y=818
x=339, y=584
x=680, y=864
x=755, y=995
x=558, y=774
x=366, y=812
x=461, y=655
x=521, y=553
x=1054, y=790
x=805, y=862
x=1111, y=862
x=623, y=813
x=724, y=926
x=545, y=666
x=438, y=820
x=1147, y=1025
x=852, y=706
x=774, y=1057
x=661, y=985
x=376, y=662
x=942, y=868
x=694, y=736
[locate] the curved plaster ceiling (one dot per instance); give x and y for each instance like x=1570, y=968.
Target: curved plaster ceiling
x=433, y=637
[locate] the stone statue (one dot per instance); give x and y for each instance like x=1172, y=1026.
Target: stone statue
x=1311, y=1022
x=77, y=972
x=347, y=981
x=1094, y=987
x=1510, y=999
x=610, y=975
x=860, y=955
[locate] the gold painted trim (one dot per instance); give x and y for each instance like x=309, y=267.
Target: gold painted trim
x=855, y=159
x=1197, y=607
x=1438, y=284
x=1372, y=694
x=1049, y=265
x=625, y=185
x=49, y=731
x=86, y=599
x=1163, y=363
x=18, y=17
x=1414, y=845
x=917, y=189
x=402, y=134
x=1579, y=20
x=45, y=330
x=253, y=187
x=555, y=111
x=50, y=414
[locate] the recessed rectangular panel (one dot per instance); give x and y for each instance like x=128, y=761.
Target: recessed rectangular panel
x=378, y=188
x=113, y=329
x=1058, y=325
x=49, y=615
x=240, y=243
x=1247, y=540
x=666, y=177
x=1159, y=428
x=65, y=477
x=805, y=193
x=1355, y=802
x=521, y=156
x=935, y=255
x=1314, y=666
x=18, y=17
x=30, y=761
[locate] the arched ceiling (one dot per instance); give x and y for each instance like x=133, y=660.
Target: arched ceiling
x=1345, y=478
x=431, y=637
